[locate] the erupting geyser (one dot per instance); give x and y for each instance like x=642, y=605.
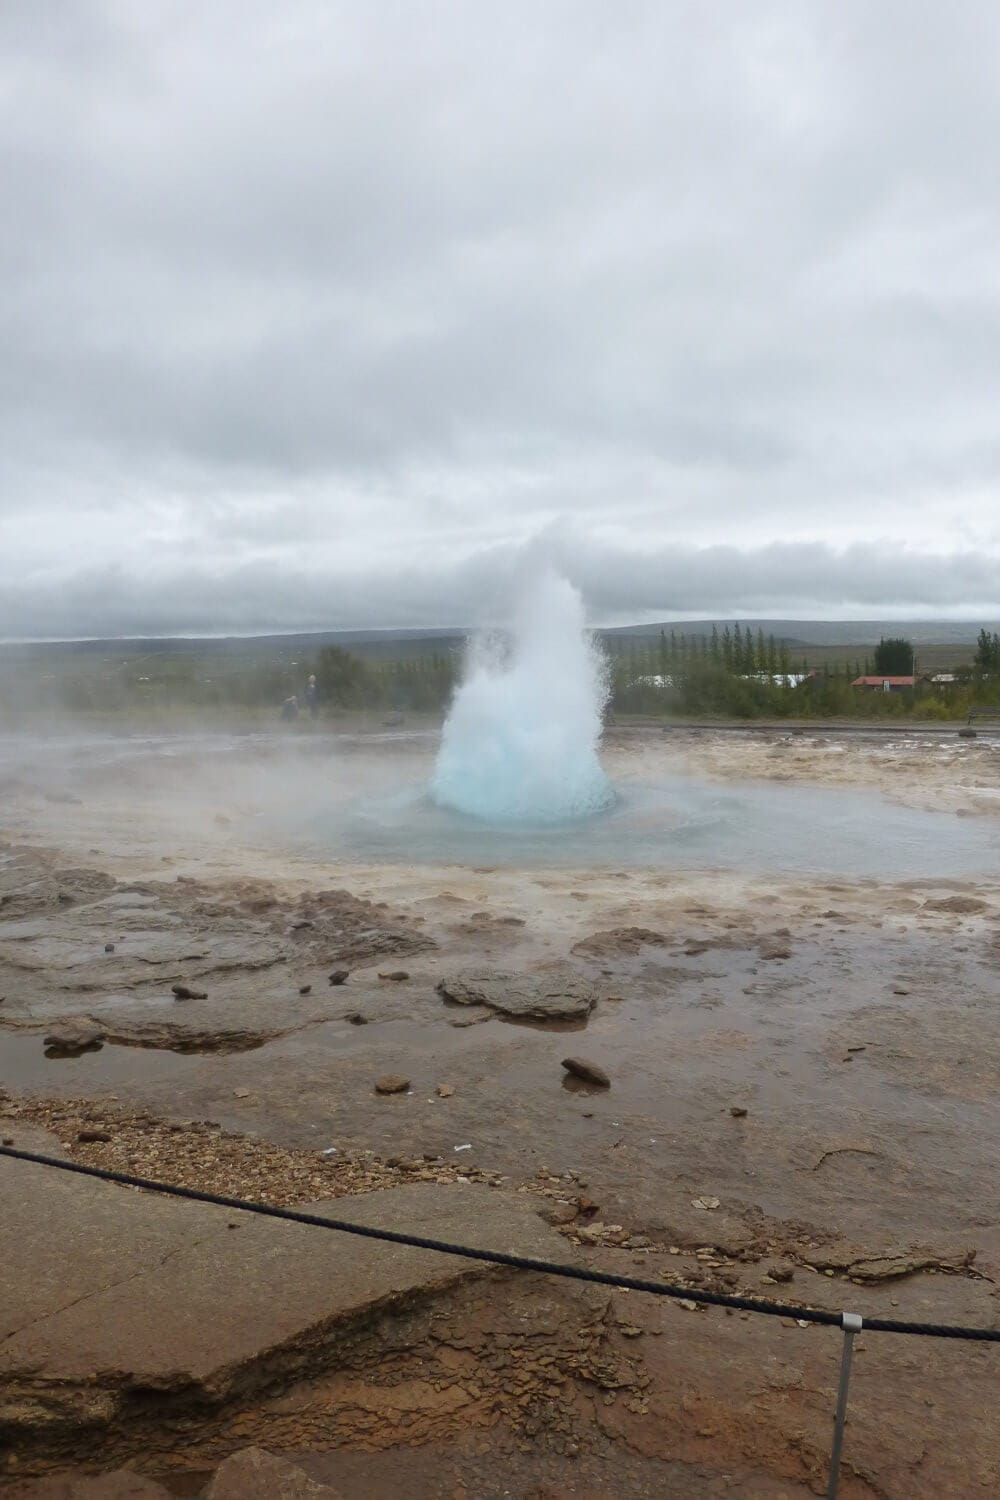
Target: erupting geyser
x=520, y=743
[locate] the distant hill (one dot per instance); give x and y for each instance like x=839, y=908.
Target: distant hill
x=799, y=635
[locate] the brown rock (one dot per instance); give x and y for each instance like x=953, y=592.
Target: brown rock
x=71, y=1041
x=782, y=1271
x=392, y=1083
x=616, y=940
x=588, y=1071
x=356, y=1018
x=444, y=1091
x=559, y=1213
x=185, y=992
x=93, y=1135
x=738, y=1111
x=255, y=1475
x=775, y=947
x=396, y=974
x=340, y=976
x=967, y=904
x=554, y=995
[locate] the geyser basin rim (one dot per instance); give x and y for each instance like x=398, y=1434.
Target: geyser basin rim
x=516, y=822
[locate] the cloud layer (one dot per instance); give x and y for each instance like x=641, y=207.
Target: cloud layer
x=327, y=314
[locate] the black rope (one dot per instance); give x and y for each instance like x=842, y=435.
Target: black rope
x=501, y=1258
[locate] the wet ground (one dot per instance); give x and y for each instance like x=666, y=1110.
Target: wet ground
x=813, y=954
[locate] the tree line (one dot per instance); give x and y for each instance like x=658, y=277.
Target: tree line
x=733, y=672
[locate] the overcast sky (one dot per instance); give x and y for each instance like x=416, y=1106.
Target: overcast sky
x=317, y=314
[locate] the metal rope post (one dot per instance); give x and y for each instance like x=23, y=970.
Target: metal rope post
x=851, y=1323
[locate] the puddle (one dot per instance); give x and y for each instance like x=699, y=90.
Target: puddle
x=23, y=1065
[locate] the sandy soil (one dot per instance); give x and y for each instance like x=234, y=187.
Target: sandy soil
x=938, y=771
x=803, y=1074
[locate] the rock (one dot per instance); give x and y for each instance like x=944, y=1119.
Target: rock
x=781, y=1272
x=255, y=1475
x=774, y=947
x=967, y=904
x=136, y=1285
x=241, y=1093
x=397, y=974
x=901, y=989
x=588, y=1071
x=356, y=1018
x=392, y=1083
x=551, y=996
x=444, y=1091
x=738, y=1111
x=93, y=1135
x=305, y=989
x=185, y=992
x=559, y=1213
x=340, y=976
x=109, y=947
x=705, y=1203
x=615, y=940
x=72, y=1041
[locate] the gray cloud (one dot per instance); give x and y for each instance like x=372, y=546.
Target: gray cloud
x=300, y=301
x=619, y=584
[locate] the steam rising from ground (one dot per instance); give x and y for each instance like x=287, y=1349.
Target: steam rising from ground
x=520, y=744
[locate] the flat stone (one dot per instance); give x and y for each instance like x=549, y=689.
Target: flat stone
x=588, y=1071
x=253, y=1474
x=163, y=1294
x=544, y=997
x=119, y=1485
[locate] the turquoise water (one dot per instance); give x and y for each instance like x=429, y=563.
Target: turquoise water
x=679, y=823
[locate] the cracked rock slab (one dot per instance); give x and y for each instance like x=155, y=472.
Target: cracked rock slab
x=182, y=1297
x=542, y=997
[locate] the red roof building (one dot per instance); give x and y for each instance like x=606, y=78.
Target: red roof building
x=883, y=684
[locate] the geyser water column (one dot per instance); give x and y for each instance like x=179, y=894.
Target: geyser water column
x=520, y=744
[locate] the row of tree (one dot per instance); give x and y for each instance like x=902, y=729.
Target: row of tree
x=988, y=652
x=735, y=672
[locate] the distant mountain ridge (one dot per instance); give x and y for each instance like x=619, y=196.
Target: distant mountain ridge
x=796, y=634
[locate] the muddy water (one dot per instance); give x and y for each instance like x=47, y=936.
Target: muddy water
x=24, y=1065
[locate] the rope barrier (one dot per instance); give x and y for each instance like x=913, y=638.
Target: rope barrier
x=502, y=1258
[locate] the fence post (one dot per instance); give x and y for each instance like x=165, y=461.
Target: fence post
x=851, y=1324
